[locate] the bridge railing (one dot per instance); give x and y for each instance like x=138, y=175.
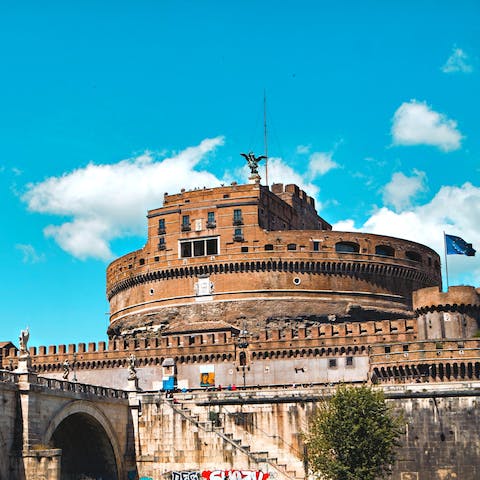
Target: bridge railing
x=75, y=387
x=7, y=376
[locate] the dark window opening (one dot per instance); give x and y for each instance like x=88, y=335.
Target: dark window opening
x=211, y=220
x=414, y=256
x=161, y=226
x=199, y=248
x=237, y=217
x=385, y=250
x=387, y=349
x=316, y=246
x=244, y=249
x=292, y=246
x=186, y=222
x=349, y=361
x=243, y=359
x=186, y=249
x=212, y=246
x=238, y=235
x=142, y=261
x=268, y=246
x=347, y=247
x=332, y=363
x=405, y=348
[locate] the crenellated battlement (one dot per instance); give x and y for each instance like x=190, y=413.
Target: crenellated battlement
x=324, y=339
x=432, y=298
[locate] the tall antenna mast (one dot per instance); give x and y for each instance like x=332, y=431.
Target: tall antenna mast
x=265, y=138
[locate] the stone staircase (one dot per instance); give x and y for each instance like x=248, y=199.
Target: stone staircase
x=280, y=463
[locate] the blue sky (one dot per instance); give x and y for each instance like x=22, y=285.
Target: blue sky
x=372, y=106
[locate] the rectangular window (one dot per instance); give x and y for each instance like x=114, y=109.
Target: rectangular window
x=349, y=362
x=199, y=248
x=212, y=246
x=161, y=224
x=211, y=217
x=186, y=249
x=237, y=217
x=186, y=220
x=332, y=363
x=316, y=246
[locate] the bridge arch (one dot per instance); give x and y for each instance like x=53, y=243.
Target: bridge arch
x=88, y=441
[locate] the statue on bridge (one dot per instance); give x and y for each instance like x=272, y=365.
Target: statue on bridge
x=23, y=341
x=132, y=371
x=66, y=369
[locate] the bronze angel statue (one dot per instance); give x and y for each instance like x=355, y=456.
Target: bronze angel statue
x=253, y=161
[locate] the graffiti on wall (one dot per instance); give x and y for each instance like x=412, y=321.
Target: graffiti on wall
x=234, y=475
x=185, y=476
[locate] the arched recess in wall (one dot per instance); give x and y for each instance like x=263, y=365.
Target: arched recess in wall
x=88, y=441
x=347, y=247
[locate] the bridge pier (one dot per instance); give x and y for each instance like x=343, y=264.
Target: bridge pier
x=37, y=461
x=42, y=464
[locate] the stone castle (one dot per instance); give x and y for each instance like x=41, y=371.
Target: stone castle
x=247, y=305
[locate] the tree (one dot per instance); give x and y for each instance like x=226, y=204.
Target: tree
x=353, y=436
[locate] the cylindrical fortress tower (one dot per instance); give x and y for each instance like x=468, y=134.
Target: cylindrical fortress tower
x=243, y=254
x=447, y=315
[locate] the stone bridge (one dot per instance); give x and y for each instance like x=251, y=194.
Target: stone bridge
x=52, y=429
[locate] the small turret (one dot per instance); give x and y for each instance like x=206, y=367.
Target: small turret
x=444, y=315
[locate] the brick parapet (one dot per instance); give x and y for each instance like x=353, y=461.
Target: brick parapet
x=432, y=298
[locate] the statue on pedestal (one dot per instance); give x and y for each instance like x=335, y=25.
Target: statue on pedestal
x=66, y=369
x=23, y=341
x=253, y=161
x=132, y=371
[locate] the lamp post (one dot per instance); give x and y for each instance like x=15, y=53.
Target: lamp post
x=243, y=345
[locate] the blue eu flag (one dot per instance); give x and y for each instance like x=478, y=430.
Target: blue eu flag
x=458, y=246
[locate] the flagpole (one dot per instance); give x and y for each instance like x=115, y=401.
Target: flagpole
x=446, y=263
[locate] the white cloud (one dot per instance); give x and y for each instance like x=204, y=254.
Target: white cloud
x=415, y=123
x=401, y=189
x=30, y=255
x=320, y=163
x=454, y=210
x=458, y=61
x=280, y=172
x=303, y=149
x=104, y=202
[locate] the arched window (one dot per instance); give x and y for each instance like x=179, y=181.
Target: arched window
x=347, y=247
x=384, y=250
x=243, y=359
x=414, y=256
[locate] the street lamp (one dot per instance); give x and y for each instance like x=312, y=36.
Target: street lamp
x=243, y=345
